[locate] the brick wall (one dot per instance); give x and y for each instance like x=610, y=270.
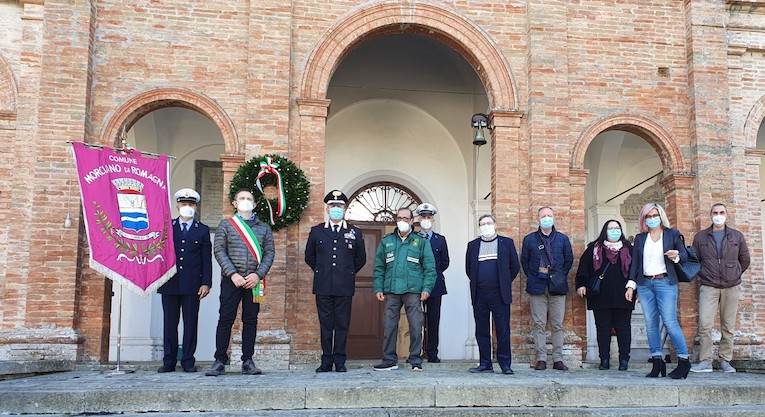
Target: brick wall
x=559, y=67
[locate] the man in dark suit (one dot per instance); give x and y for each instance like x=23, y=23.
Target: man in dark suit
x=491, y=264
x=433, y=303
x=335, y=252
x=192, y=282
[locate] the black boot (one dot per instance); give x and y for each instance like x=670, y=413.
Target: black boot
x=659, y=367
x=623, y=363
x=683, y=366
x=604, y=364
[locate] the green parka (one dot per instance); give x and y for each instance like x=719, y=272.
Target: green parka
x=403, y=267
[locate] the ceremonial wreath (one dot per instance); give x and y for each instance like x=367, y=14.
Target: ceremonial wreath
x=279, y=186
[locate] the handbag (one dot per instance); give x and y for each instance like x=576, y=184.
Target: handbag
x=687, y=271
x=558, y=284
x=595, y=284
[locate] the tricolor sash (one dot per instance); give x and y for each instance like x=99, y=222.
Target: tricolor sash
x=251, y=241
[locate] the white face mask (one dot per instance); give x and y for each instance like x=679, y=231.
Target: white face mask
x=487, y=230
x=426, y=224
x=403, y=227
x=186, y=211
x=245, y=206
x=718, y=220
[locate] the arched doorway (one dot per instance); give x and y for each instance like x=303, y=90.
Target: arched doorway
x=197, y=144
x=400, y=113
x=372, y=208
x=624, y=175
x=631, y=160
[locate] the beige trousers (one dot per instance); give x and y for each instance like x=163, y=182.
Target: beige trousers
x=543, y=306
x=711, y=300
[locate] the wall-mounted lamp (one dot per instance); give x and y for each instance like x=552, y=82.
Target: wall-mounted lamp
x=480, y=122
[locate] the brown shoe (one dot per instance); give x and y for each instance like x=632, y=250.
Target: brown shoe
x=559, y=366
x=541, y=366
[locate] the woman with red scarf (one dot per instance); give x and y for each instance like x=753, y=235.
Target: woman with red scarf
x=608, y=260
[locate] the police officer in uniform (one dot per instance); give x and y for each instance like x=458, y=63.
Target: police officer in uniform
x=192, y=282
x=335, y=252
x=433, y=303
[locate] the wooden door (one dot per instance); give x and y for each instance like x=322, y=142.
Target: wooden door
x=365, y=336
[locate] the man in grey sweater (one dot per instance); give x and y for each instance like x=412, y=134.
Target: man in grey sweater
x=244, y=248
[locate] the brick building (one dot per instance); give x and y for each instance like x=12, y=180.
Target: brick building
x=595, y=107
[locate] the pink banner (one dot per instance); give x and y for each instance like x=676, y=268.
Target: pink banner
x=126, y=208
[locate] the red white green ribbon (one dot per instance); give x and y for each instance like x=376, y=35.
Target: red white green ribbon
x=251, y=241
x=248, y=236
x=268, y=166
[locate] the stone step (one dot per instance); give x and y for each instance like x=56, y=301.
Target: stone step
x=363, y=389
x=729, y=411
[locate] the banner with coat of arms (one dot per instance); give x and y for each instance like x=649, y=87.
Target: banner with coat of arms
x=126, y=209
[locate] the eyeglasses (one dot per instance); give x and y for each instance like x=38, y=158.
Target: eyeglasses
x=403, y=219
x=653, y=216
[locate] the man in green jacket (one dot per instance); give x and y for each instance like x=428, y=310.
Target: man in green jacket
x=405, y=273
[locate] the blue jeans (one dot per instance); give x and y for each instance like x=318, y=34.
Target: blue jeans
x=659, y=299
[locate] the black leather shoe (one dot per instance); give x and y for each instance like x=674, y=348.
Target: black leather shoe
x=604, y=364
x=560, y=366
x=190, y=369
x=217, y=368
x=481, y=370
x=540, y=366
x=340, y=367
x=325, y=367
x=249, y=368
x=508, y=371
x=623, y=364
x=164, y=369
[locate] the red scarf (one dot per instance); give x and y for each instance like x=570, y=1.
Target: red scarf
x=612, y=255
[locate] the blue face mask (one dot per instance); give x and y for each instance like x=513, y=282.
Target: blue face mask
x=336, y=213
x=653, y=222
x=614, y=234
x=546, y=222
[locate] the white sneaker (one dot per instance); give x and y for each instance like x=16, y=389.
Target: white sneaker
x=727, y=368
x=704, y=366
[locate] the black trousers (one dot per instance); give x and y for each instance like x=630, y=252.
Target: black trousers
x=432, y=321
x=334, y=321
x=489, y=300
x=172, y=306
x=230, y=297
x=613, y=318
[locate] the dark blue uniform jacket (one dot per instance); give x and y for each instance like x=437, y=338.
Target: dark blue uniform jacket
x=193, y=255
x=335, y=260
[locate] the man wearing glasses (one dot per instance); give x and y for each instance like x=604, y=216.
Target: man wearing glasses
x=405, y=273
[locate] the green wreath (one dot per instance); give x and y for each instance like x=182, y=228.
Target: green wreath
x=294, y=188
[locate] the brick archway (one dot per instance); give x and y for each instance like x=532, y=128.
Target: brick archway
x=8, y=90
x=753, y=121
x=389, y=17
x=146, y=102
x=651, y=131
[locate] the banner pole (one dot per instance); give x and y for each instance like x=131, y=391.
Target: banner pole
x=118, y=370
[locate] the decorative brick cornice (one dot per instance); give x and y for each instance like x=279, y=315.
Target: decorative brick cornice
x=38, y=2
x=313, y=107
x=505, y=118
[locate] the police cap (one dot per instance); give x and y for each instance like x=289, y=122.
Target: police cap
x=336, y=196
x=426, y=209
x=187, y=195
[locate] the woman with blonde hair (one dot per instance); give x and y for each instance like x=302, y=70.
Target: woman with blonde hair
x=657, y=248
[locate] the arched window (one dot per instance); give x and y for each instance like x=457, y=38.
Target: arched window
x=378, y=203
